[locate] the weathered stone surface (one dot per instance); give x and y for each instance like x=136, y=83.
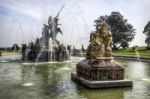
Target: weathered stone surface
x=95, y=69
x=100, y=43
x=101, y=84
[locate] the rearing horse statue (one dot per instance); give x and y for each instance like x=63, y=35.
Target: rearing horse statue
x=53, y=25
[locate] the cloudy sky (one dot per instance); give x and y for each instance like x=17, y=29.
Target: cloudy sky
x=21, y=21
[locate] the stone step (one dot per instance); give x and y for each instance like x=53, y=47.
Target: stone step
x=101, y=84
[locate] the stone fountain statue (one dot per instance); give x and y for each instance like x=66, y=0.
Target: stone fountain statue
x=45, y=36
x=53, y=25
x=47, y=48
x=100, y=43
x=98, y=69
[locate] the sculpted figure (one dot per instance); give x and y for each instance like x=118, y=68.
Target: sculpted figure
x=105, y=35
x=53, y=25
x=94, y=39
x=50, y=22
x=45, y=35
x=100, y=42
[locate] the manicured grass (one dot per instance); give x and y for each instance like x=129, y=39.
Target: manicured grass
x=8, y=52
x=140, y=51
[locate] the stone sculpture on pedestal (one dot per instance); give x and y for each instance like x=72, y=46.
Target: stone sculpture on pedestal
x=98, y=69
x=47, y=48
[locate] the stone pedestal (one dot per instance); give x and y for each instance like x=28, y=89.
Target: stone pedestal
x=101, y=84
x=100, y=73
x=95, y=69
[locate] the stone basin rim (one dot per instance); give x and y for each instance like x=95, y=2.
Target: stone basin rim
x=101, y=58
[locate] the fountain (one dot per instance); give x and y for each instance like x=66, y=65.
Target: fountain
x=98, y=69
x=47, y=48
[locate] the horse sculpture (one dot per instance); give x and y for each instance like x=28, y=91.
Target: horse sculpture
x=53, y=25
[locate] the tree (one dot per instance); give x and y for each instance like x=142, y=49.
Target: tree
x=147, y=33
x=74, y=48
x=124, y=44
x=122, y=31
x=15, y=47
x=82, y=48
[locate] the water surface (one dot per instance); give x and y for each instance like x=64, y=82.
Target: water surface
x=20, y=80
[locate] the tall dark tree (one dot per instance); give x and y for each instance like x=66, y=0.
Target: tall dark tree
x=74, y=48
x=122, y=31
x=147, y=33
x=82, y=48
x=15, y=47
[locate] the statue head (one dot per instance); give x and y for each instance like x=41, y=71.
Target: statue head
x=44, y=25
x=104, y=26
x=50, y=17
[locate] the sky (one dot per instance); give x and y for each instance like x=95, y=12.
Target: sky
x=21, y=21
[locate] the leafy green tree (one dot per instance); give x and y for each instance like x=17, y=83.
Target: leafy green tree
x=122, y=31
x=124, y=44
x=147, y=33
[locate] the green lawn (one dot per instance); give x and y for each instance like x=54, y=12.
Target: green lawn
x=8, y=52
x=141, y=51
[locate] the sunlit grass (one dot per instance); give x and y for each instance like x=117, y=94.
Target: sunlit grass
x=9, y=52
x=142, y=51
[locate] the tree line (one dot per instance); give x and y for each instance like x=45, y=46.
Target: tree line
x=122, y=31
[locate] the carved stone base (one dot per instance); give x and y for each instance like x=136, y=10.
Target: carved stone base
x=101, y=84
x=99, y=69
x=100, y=73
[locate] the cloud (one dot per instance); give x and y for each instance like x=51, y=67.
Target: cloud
x=77, y=17
x=17, y=7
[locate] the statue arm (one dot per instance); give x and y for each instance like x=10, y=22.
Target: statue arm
x=59, y=30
